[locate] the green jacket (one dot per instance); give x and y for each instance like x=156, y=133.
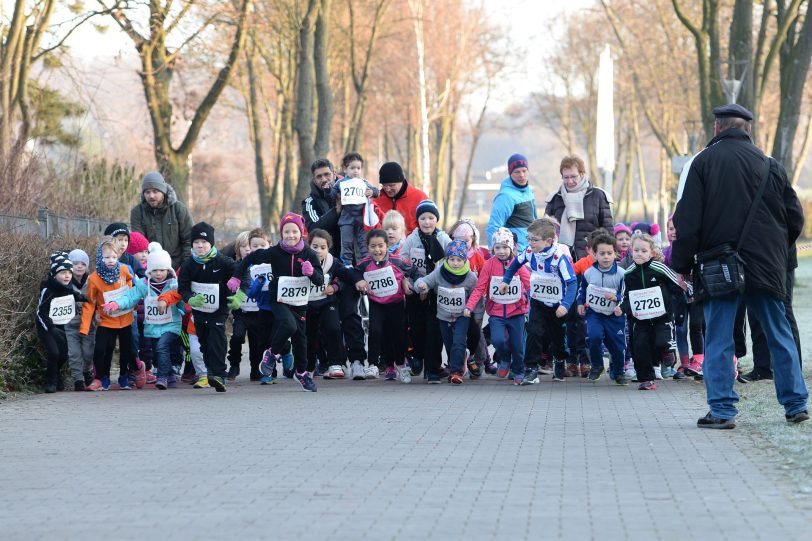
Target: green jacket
x=170, y=224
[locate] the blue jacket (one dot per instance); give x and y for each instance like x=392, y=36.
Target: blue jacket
x=140, y=290
x=514, y=208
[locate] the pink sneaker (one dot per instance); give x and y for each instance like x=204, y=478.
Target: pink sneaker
x=151, y=378
x=95, y=385
x=140, y=374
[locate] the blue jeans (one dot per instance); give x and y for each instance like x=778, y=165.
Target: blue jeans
x=455, y=334
x=609, y=330
x=507, y=336
x=164, y=348
x=718, y=369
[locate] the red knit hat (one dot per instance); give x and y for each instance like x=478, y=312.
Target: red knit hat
x=138, y=243
x=293, y=218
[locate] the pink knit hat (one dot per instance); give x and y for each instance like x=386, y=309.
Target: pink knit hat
x=293, y=218
x=622, y=228
x=138, y=243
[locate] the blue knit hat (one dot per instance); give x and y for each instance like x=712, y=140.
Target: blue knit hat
x=427, y=205
x=457, y=248
x=517, y=160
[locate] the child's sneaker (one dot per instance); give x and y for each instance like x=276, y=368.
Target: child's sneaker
x=595, y=374
x=571, y=370
x=585, y=369
x=647, y=386
x=518, y=379
x=202, y=383
x=151, y=379
x=357, y=371
x=391, y=374
x=545, y=368
x=124, y=383
x=531, y=376
x=105, y=384
x=504, y=370
x=172, y=381
x=371, y=372
x=335, y=372
x=621, y=380
x=218, y=383
x=490, y=367
x=474, y=369
x=668, y=372
x=680, y=373
x=140, y=374
x=79, y=385
x=287, y=365
x=306, y=381
x=88, y=377
x=456, y=378
x=658, y=373
x=434, y=378
x=415, y=365
x=559, y=371
x=267, y=380
x=404, y=373
x=189, y=377
x=162, y=384
x=630, y=374
x=268, y=363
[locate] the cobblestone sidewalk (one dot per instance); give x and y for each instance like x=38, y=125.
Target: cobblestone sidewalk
x=380, y=460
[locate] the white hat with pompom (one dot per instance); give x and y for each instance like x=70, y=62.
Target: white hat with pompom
x=159, y=259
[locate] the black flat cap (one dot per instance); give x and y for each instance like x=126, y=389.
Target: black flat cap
x=733, y=110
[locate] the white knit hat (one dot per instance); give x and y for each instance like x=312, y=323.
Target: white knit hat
x=159, y=259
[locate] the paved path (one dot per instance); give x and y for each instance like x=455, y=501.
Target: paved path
x=379, y=460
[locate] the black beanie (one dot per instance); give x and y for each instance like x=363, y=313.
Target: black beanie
x=203, y=231
x=59, y=262
x=117, y=228
x=391, y=173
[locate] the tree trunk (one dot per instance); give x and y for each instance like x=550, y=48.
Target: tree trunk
x=425, y=161
x=804, y=152
x=255, y=131
x=476, y=134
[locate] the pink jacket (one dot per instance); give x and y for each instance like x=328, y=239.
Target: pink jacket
x=495, y=267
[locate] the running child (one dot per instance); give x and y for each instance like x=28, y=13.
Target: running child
x=202, y=284
x=552, y=293
x=599, y=298
x=386, y=281
x=80, y=348
x=653, y=294
x=109, y=283
x=238, y=330
x=56, y=308
x=162, y=323
x=506, y=311
x=453, y=282
x=424, y=249
x=352, y=194
x=323, y=322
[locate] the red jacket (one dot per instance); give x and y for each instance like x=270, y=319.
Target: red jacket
x=405, y=202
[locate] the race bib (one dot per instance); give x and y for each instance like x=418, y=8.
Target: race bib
x=597, y=301
x=115, y=296
x=63, y=309
x=211, y=296
x=152, y=315
x=352, y=192
x=293, y=291
x=418, y=260
x=249, y=305
x=452, y=299
x=647, y=303
x=512, y=295
x=317, y=292
x=263, y=269
x=546, y=288
x=382, y=282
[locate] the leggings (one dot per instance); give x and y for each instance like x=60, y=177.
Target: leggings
x=56, y=349
x=290, y=324
x=693, y=327
x=106, y=345
x=324, y=327
x=387, y=344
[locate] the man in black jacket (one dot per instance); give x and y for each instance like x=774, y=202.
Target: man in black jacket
x=319, y=211
x=721, y=186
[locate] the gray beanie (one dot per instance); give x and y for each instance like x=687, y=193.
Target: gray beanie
x=77, y=256
x=154, y=180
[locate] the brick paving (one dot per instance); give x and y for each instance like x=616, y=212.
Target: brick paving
x=381, y=460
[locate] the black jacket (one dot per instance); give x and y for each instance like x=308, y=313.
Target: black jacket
x=655, y=274
x=217, y=271
x=319, y=212
x=597, y=214
x=50, y=289
x=720, y=187
x=283, y=264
